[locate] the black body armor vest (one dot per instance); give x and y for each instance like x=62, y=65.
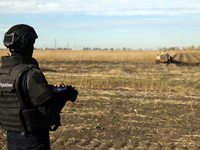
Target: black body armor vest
x=15, y=115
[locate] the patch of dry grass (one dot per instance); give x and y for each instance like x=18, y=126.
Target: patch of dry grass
x=80, y=55
x=96, y=55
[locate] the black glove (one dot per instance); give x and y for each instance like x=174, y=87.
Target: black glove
x=72, y=93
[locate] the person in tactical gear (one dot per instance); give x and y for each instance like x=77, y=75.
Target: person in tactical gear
x=28, y=105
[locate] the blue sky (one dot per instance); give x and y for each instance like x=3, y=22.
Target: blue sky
x=146, y=24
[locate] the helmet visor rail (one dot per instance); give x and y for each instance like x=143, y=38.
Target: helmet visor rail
x=9, y=39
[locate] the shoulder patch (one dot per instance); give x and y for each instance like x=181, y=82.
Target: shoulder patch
x=39, y=91
x=38, y=77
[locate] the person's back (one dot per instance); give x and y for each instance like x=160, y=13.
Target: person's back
x=28, y=106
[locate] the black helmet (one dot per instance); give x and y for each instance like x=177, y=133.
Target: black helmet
x=20, y=38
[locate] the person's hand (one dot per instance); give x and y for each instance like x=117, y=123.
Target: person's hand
x=72, y=94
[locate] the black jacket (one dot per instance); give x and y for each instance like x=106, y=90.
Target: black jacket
x=29, y=104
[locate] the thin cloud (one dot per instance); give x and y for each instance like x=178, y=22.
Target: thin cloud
x=145, y=12
x=102, y=7
x=31, y=7
x=150, y=22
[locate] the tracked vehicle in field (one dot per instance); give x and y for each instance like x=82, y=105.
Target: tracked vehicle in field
x=179, y=58
x=163, y=57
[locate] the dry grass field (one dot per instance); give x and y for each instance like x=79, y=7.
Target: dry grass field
x=125, y=101
x=80, y=55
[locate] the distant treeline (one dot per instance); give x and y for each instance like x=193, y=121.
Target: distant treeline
x=190, y=48
x=88, y=48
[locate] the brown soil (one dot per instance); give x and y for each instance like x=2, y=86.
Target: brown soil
x=127, y=118
x=187, y=58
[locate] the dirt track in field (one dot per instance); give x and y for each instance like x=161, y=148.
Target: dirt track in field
x=127, y=118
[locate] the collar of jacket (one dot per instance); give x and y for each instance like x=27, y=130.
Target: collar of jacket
x=11, y=61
